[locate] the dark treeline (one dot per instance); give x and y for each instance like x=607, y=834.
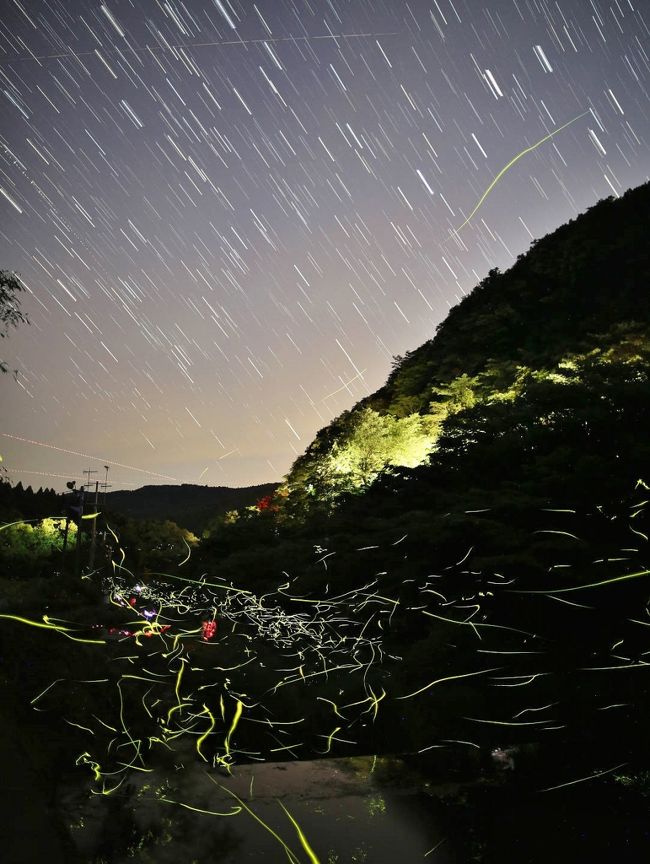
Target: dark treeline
x=17, y=502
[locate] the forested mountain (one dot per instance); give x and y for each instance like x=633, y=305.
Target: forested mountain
x=494, y=494
x=538, y=368
x=188, y=505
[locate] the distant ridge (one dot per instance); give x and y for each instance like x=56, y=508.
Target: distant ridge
x=189, y=505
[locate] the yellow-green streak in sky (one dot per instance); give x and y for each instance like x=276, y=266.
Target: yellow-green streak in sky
x=511, y=163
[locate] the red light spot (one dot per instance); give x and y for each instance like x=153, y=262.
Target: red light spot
x=209, y=629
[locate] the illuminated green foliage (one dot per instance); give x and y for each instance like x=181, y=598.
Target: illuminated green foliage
x=23, y=540
x=366, y=444
x=373, y=442
x=497, y=404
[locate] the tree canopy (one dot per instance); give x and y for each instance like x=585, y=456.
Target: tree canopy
x=10, y=311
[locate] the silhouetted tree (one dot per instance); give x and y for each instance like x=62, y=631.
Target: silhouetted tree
x=10, y=312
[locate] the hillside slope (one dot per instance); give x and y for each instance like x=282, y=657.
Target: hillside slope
x=570, y=313
x=569, y=288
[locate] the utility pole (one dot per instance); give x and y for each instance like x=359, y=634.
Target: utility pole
x=77, y=551
x=71, y=484
x=91, y=557
x=65, y=544
x=105, y=486
x=77, y=561
x=73, y=511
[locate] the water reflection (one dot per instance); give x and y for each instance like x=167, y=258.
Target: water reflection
x=361, y=810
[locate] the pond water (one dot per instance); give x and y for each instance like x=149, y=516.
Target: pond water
x=340, y=811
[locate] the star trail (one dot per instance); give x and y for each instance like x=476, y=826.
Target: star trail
x=229, y=216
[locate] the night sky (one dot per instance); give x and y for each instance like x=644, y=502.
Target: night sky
x=230, y=215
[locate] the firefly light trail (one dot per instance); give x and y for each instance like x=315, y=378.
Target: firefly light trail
x=261, y=645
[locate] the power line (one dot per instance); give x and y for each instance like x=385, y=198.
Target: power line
x=88, y=456
x=150, y=48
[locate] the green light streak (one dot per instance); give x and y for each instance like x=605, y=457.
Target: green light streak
x=448, y=678
x=235, y=720
x=583, y=779
x=611, y=581
x=64, y=631
x=313, y=858
x=200, y=741
x=233, y=812
x=290, y=855
x=511, y=163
